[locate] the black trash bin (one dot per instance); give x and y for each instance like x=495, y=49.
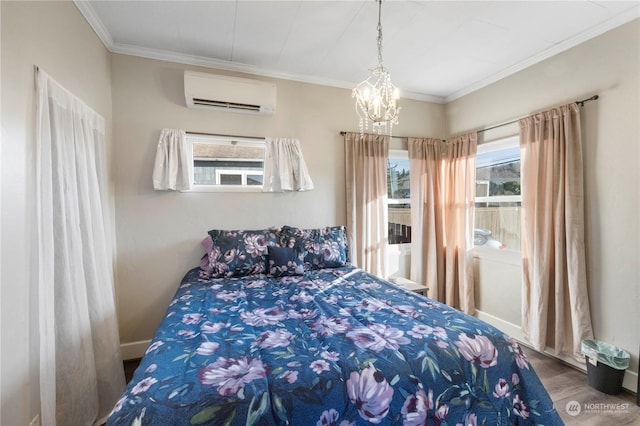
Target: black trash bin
x=606, y=365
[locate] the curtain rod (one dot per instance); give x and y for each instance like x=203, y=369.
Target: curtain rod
x=225, y=136
x=343, y=132
x=580, y=103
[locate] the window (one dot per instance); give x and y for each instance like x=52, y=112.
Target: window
x=224, y=163
x=498, y=198
x=399, y=197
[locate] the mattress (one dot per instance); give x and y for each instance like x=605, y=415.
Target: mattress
x=333, y=346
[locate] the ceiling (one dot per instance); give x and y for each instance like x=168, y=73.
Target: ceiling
x=434, y=50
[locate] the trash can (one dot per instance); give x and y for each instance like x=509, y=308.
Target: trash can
x=606, y=365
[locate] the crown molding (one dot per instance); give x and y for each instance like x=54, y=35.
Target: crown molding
x=618, y=20
x=85, y=8
x=181, y=58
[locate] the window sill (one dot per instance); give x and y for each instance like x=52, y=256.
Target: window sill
x=511, y=257
x=400, y=248
x=224, y=188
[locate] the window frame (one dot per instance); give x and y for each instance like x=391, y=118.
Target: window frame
x=509, y=252
x=403, y=154
x=191, y=139
x=237, y=172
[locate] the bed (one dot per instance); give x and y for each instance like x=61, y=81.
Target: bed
x=276, y=327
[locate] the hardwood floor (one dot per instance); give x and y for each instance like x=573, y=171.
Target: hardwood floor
x=568, y=388
x=130, y=367
x=565, y=385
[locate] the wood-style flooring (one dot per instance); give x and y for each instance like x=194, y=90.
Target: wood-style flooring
x=130, y=366
x=568, y=386
x=565, y=385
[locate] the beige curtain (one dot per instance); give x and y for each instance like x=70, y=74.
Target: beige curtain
x=459, y=202
x=555, y=300
x=366, y=182
x=427, y=214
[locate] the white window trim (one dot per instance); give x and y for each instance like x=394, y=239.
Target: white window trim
x=499, y=144
x=190, y=139
x=404, y=154
x=399, y=248
x=242, y=173
x=499, y=199
x=398, y=200
x=508, y=255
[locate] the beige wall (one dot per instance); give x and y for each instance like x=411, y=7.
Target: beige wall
x=54, y=36
x=159, y=233
x=608, y=65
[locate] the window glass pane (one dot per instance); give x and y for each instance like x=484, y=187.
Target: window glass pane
x=399, y=223
x=497, y=225
x=398, y=178
x=228, y=162
x=230, y=179
x=399, y=195
x=254, y=179
x=501, y=177
x=498, y=196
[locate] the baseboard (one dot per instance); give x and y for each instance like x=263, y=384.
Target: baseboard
x=509, y=328
x=629, y=383
x=134, y=350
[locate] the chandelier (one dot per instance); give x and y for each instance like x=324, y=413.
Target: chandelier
x=376, y=97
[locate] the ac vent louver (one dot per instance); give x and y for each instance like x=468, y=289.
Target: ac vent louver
x=226, y=105
x=224, y=93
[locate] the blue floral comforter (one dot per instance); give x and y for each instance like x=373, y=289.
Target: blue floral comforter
x=332, y=347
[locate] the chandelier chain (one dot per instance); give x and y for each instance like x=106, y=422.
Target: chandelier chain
x=380, y=34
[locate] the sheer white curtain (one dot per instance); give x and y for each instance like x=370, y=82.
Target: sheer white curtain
x=555, y=304
x=81, y=373
x=366, y=179
x=284, y=166
x=427, y=214
x=171, y=169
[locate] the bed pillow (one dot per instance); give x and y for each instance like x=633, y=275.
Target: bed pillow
x=322, y=248
x=284, y=261
x=205, y=261
x=238, y=253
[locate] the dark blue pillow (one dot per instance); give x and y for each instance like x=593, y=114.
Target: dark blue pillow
x=238, y=253
x=283, y=261
x=321, y=248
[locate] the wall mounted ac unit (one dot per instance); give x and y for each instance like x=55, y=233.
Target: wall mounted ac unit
x=224, y=93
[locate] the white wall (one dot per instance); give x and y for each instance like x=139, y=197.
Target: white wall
x=55, y=36
x=159, y=233
x=608, y=65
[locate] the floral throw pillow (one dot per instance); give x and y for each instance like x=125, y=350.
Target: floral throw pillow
x=322, y=248
x=284, y=261
x=239, y=253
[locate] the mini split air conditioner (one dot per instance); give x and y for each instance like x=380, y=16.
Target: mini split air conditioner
x=224, y=93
